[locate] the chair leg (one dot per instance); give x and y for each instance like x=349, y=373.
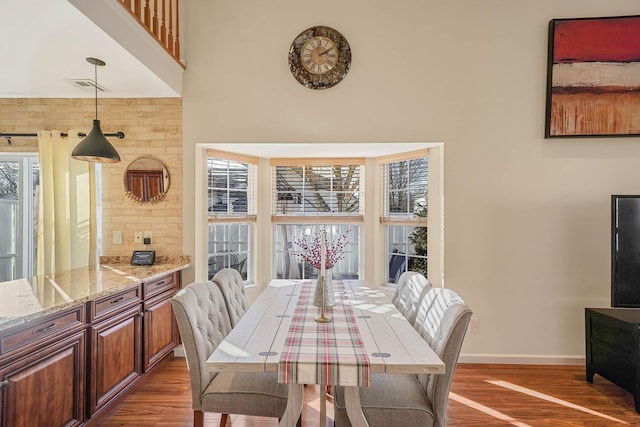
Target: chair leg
x=198, y=419
x=223, y=420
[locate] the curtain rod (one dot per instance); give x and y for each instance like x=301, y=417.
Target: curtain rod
x=8, y=136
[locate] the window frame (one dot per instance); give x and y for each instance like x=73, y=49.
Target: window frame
x=24, y=257
x=408, y=222
x=333, y=219
x=228, y=219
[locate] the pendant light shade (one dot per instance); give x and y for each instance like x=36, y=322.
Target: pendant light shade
x=95, y=147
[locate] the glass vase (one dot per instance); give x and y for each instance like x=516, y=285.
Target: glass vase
x=329, y=298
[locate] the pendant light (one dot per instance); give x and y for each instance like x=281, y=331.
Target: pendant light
x=95, y=147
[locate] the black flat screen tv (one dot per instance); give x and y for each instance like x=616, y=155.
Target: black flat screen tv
x=625, y=251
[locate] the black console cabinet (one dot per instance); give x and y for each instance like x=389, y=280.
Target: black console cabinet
x=613, y=347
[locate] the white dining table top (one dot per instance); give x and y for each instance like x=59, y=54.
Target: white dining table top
x=391, y=342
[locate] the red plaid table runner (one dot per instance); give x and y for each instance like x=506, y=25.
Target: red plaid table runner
x=324, y=353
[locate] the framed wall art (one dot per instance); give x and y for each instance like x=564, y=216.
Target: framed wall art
x=593, y=77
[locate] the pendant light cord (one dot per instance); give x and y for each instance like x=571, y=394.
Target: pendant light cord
x=95, y=84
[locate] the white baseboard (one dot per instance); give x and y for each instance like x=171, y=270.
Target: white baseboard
x=522, y=359
x=178, y=351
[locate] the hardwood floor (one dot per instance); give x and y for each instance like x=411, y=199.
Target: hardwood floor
x=481, y=396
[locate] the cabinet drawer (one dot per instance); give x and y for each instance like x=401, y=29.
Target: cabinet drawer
x=112, y=303
x=614, y=333
x=158, y=286
x=41, y=328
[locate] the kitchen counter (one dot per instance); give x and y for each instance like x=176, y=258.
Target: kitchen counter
x=23, y=300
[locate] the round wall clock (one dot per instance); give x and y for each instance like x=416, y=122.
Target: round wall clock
x=319, y=57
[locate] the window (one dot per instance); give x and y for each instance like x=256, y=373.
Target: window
x=405, y=213
x=231, y=190
x=18, y=201
x=318, y=190
x=312, y=193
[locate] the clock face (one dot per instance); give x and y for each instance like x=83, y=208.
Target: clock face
x=319, y=57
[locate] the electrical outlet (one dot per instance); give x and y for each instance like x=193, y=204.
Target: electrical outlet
x=474, y=325
x=117, y=237
x=137, y=237
x=147, y=235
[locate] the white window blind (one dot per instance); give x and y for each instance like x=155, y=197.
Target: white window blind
x=317, y=188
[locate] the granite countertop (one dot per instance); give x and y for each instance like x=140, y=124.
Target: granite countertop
x=26, y=299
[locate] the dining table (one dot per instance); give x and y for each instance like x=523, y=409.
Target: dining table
x=339, y=345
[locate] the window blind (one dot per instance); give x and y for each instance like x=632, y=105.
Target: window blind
x=319, y=189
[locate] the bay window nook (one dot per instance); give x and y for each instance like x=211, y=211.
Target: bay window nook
x=257, y=200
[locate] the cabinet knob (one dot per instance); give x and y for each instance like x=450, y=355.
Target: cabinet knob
x=4, y=384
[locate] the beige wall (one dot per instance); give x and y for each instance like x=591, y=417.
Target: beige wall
x=152, y=127
x=526, y=219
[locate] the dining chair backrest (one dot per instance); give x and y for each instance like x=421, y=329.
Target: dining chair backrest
x=442, y=320
x=231, y=284
x=201, y=314
x=411, y=287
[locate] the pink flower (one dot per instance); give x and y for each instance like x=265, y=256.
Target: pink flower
x=311, y=250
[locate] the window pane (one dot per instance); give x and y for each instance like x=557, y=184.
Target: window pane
x=407, y=250
x=397, y=175
x=237, y=202
x=406, y=191
x=317, y=190
x=238, y=176
x=289, y=264
x=228, y=187
x=229, y=247
x=398, y=202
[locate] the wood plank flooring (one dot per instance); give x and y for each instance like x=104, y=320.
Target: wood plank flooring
x=481, y=396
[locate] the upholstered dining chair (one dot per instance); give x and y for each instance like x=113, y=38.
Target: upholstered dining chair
x=410, y=289
x=203, y=322
x=230, y=283
x=417, y=400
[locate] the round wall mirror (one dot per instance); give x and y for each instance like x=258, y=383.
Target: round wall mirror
x=146, y=180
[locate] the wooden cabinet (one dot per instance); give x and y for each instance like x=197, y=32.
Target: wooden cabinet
x=67, y=368
x=613, y=347
x=159, y=325
x=130, y=332
x=43, y=380
x=115, y=343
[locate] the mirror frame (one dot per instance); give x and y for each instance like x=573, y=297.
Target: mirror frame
x=166, y=182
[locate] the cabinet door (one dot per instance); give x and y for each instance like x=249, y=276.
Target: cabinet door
x=115, y=357
x=160, y=330
x=46, y=388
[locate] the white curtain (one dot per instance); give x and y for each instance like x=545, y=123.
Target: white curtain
x=290, y=268
x=67, y=206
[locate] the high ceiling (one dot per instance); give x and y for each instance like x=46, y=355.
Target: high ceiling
x=43, y=49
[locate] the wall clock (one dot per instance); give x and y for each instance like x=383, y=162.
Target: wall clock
x=319, y=57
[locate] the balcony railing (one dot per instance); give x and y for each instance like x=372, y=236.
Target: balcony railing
x=161, y=19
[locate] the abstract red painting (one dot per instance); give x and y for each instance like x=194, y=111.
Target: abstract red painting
x=593, y=77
